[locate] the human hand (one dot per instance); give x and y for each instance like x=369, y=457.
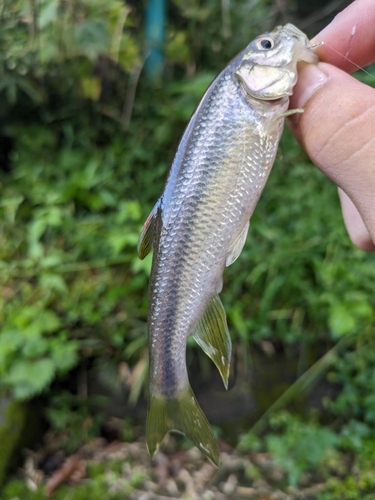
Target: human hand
x=337, y=128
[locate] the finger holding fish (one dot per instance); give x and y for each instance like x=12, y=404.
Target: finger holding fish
x=349, y=40
x=354, y=223
x=337, y=128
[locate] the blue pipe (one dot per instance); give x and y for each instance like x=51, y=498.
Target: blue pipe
x=155, y=38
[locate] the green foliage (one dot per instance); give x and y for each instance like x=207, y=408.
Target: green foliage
x=77, y=418
x=359, y=484
x=61, y=252
x=295, y=445
x=33, y=350
x=302, y=446
x=355, y=405
x=249, y=442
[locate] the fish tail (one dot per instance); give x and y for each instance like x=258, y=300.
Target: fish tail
x=182, y=414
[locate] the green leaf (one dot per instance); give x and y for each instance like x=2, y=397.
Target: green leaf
x=28, y=378
x=91, y=87
x=64, y=354
x=48, y=13
x=55, y=282
x=91, y=37
x=341, y=320
x=47, y=321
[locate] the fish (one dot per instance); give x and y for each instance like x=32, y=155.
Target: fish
x=200, y=223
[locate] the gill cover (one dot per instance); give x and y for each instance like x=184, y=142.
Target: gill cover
x=268, y=69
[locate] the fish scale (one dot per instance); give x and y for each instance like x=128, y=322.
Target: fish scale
x=199, y=224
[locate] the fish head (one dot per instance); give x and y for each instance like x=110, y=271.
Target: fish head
x=268, y=68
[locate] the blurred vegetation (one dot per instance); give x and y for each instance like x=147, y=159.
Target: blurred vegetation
x=85, y=144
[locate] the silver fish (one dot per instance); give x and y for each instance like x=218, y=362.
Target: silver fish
x=199, y=225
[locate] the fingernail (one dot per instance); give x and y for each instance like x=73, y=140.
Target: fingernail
x=310, y=78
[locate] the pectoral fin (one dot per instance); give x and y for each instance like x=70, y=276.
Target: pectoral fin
x=146, y=237
x=212, y=335
x=237, y=246
x=287, y=113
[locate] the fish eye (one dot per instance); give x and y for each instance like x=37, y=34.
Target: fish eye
x=265, y=43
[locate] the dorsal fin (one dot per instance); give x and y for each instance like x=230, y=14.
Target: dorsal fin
x=146, y=237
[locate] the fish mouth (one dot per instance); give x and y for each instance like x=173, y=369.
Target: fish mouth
x=271, y=101
x=277, y=100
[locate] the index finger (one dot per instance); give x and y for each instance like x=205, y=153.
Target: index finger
x=352, y=35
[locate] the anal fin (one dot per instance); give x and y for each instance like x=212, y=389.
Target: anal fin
x=212, y=335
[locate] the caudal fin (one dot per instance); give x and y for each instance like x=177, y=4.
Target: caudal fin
x=182, y=414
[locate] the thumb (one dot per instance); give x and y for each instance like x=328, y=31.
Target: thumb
x=337, y=130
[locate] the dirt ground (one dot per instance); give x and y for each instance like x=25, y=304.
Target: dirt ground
x=127, y=469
